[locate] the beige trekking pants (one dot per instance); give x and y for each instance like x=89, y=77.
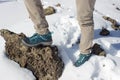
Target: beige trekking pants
x=85, y=10
x=36, y=14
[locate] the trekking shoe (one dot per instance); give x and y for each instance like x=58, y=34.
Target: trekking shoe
x=82, y=59
x=38, y=39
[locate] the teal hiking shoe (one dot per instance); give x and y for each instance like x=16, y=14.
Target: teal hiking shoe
x=38, y=39
x=82, y=59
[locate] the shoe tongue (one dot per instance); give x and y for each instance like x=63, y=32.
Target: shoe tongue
x=35, y=34
x=85, y=54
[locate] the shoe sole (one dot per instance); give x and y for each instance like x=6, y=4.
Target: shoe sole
x=33, y=45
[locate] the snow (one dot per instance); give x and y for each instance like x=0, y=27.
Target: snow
x=66, y=32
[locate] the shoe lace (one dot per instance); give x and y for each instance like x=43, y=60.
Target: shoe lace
x=82, y=59
x=43, y=38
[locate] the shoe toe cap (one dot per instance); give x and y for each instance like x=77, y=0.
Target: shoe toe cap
x=26, y=40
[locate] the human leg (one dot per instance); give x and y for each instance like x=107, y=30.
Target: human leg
x=36, y=14
x=85, y=10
